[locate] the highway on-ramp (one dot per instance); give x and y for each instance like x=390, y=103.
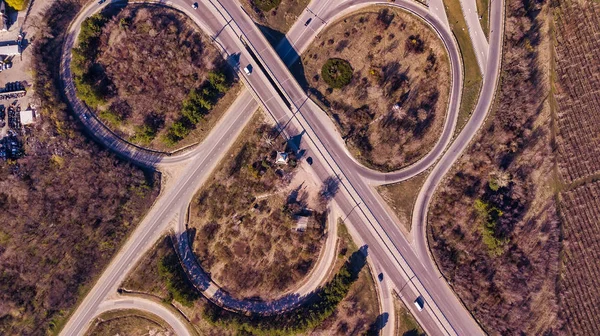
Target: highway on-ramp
x=443, y=314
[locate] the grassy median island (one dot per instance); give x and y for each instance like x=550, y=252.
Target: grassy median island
x=151, y=76
x=246, y=214
x=384, y=78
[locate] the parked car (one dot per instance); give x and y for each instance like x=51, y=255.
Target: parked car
x=420, y=303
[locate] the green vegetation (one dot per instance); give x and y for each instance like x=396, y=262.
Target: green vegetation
x=337, y=72
x=303, y=319
x=483, y=11
x=178, y=285
x=90, y=80
x=17, y=4
x=490, y=216
x=472, y=75
x=266, y=5
x=197, y=105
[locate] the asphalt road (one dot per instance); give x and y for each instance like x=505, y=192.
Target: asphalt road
x=443, y=313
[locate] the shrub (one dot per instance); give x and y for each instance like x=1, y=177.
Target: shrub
x=178, y=285
x=266, y=5
x=337, y=72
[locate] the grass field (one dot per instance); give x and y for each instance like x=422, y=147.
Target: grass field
x=390, y=103
x=401, y=197
x=484, y=14
x=472, y=75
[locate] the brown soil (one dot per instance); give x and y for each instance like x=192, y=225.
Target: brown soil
x=393, y=111
x=154, y=57
x=576, y=93
x=244, y=218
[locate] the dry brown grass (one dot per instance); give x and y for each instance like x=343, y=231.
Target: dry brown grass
x=406, y=325
x=130, y=323
x=360, y=308
x=276, y=22
x=244, y=216
x=401, y=197
x=391, y=66
x=154, y=57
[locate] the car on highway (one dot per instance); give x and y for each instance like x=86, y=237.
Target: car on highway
x=248, y=69
x=195, y=5
x=101, y=2
x=307, y=22
x=420, y=303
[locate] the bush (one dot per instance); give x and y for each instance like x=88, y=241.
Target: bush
x=337, y=72
x=266, y=5
x=178, y=285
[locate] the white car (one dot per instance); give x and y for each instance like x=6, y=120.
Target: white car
x=420, y=303
x=195, y=5
x=248, y=69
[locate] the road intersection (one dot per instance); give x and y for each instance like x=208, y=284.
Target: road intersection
x=410, y=272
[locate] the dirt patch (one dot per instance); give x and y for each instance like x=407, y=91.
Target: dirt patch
x=393, y=110
x=155, y=59
x=245, y=218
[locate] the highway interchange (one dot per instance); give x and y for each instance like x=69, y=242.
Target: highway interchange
x=406, y=263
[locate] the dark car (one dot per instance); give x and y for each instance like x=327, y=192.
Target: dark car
x=307, y=22
x=380, y=276
x=195, y=5
x=309, y=160
x=101, y=2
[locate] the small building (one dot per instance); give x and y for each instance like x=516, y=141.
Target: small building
x=301, y=223
x=10, y=50
x=27, y=117
x=282, y=158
